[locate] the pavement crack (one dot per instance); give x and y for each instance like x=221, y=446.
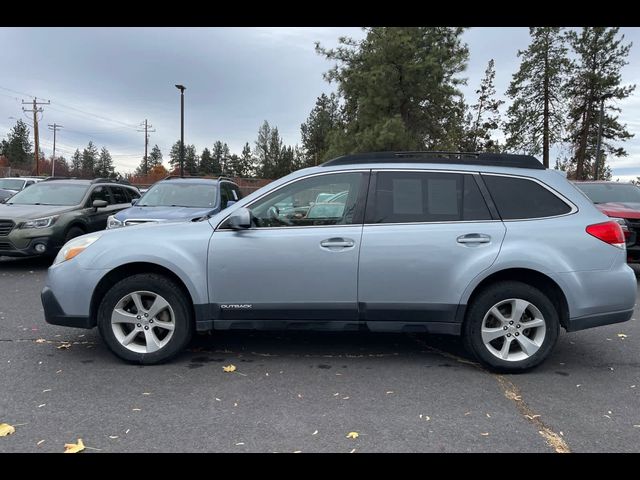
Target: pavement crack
x=512, y=392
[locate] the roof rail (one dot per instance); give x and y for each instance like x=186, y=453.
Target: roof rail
x=465, y=158
x=48, y=179
x=223, y=177
x=196, y=177
x=121, y=181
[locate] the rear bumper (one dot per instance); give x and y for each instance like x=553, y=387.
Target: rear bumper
x=55, y=315
x=598, y=320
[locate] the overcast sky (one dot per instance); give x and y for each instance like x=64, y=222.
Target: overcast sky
x=103, y=82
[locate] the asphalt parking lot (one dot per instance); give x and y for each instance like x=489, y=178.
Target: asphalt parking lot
x=305, y=392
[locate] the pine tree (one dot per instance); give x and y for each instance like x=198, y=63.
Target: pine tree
x=596, y=78
x=104, y=165
x=17, y=147
x=206, y=162
x=89, y=159
x=174, y=155
x=247, y=162
x=219, y=153
x=536, y=118
x=264, y=162
x=485, y=114
x=154, y=158
x=399, y=89
x=316, y=131
x=190, y=160
x=76, y=164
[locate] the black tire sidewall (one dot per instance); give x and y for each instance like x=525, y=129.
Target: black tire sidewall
x=487, y=299
x=72, y=233
x=171, y=292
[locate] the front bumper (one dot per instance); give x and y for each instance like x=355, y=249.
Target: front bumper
x=9, y=249
x=54, y=314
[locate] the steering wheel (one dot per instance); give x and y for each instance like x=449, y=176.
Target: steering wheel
x=274, y=213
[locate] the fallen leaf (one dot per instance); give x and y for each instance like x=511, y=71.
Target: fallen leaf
x=299, y=396
x=41, y=405
x=609, y=412
x=531, y=417
x=235, y=404
x=113, y=437
x=353, y=435
x=467, y=413
x=622, y=335
x=40, y=443
x=637, y=426
x=218, y=400
x=64, y=346
x=136, y=409
x=6, y=429
x=315, y=433
x=47, y=390
x=59, y=371
x=74, y=447
x=240, y=443
x=336, y=394
x=579, y=385
x=229, y=368
x=486, y=434
x=488, y=416
x=346, y=398
x=127, y=431
x=41, y=340
x=633, y=386
x=353, y=450
x=389, y=392
x=146, y=393
x=298, y=451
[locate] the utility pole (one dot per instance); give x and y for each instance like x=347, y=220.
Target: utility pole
x=35, y=111
x=55, y=127
x=182, y=88
x=147, y=126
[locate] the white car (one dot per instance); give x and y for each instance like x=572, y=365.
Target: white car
x=16, y=184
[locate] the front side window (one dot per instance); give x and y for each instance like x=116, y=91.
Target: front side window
x=119, y=195
x=410, y=197
x=320, y=200
x=520, y=198
x=50, y=193
x=99, y=193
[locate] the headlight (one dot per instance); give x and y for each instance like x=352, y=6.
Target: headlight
x=74, y=247
x=40, y=222
x=113, y=222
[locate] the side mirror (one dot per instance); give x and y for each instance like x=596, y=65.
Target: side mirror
x=240, y=219
x=134, y=201
x=99, y=204
x=230, y=202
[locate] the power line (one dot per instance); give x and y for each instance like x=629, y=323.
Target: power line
x=55, y=127
x=22, y=94
x=35, y=110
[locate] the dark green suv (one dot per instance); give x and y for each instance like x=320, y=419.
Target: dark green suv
x=39, y=220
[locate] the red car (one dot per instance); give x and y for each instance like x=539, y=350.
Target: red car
x=620, y=201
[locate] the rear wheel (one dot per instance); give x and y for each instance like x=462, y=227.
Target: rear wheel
x=145, y=318
x=511, y=327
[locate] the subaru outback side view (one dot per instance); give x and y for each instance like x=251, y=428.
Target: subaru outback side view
x=39, y=220
x=495, y=248
x=176, y=199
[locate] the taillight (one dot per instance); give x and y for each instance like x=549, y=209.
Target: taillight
x=609, y=232
x=625, y=228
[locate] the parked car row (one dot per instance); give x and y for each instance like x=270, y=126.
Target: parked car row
x=495, y=248
x=9, y=186
x=39, y=220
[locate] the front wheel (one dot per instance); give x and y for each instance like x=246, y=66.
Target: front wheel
x=511, y=327
x=145, y=318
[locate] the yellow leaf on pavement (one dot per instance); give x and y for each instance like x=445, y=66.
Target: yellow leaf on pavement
x=6, y=429
x=622, y=335
x=40, y=340
x=74, y=447
x=229, y=368
x=353, y=435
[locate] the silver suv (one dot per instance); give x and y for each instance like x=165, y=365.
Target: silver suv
x=495, y=248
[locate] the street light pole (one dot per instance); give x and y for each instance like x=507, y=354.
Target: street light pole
x=599, y=142
x=182, y=88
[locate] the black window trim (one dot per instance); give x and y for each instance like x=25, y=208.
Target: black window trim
x=573, y=207
x=113, y=195
x=370, y=206
x=93, y=188
x=358, y=214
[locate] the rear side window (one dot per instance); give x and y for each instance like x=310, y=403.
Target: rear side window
x=119, y=195
x=406, y=197
x=519, y=198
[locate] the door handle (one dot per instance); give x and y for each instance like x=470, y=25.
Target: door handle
x=337, y=243
x=473, y=238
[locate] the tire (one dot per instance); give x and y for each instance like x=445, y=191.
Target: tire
x=73, y=233
x=527, y=347
x=155, y=344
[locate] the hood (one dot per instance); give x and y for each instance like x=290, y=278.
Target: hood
x=32, y=211
x=620, y=210
x=163, y=213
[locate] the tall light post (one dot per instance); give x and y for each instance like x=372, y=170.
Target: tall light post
x=182, y=88
x=599, y=142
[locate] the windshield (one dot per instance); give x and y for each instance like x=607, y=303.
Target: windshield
x=50, y=193
x=11, y=184
x=611, y=192
x=180, y=195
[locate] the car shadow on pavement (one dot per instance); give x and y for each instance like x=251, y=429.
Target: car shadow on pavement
x=20, y=264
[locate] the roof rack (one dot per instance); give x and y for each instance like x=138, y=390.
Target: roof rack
x=121, y=181
x=196, y=177
x=465, y=158
x=48, y=179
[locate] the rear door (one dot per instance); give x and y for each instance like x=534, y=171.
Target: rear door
x=426, y=236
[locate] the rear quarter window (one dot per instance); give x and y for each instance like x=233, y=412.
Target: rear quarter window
x=520, y=198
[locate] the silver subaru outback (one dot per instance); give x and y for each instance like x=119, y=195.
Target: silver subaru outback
x=495, y=248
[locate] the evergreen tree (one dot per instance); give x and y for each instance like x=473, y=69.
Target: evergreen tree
x=89, y=160
x=485, y=114
x=154, y=158
x=206, y=162
x=247, y=165
x=76, y=164
x=219, y=153
x=399, y=89
x=17, y=147
x=316, y=131
x=104, y=165
x=595, y=76
x=536, y=118
x=264, y=162
x=174, y=155
x=190, y=160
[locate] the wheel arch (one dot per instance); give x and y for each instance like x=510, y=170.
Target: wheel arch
x=536, y=279
x=127, y=270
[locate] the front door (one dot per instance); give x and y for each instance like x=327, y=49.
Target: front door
x=97, y=218
x=299, y=261
x=426, y=236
